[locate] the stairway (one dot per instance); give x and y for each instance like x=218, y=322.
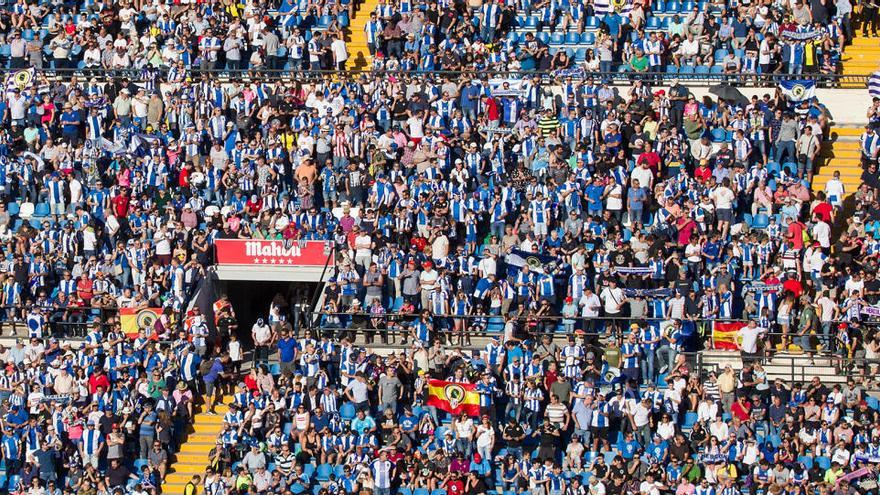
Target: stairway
x=356, y=38
x=861, y=58
x=841, y=153
x=193, y=455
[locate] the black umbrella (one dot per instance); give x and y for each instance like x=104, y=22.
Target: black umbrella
x=728, y=93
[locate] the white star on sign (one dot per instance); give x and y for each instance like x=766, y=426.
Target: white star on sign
x=256, y=260
x=265, y=261
x=273, y=261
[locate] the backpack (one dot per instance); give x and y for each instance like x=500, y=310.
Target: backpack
x=205, y=366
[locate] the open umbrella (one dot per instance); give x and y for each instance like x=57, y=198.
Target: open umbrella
x=728, y=93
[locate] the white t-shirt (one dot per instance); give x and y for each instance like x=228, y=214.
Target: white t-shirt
x=416, y=127
x=261, y=333
x=723, y=198
x=822, y=233
x=588, y=302
x=339, y=51
x=749, y=337
x=613, y=299
x=827, y=308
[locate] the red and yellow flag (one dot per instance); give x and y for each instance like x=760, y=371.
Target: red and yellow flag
x=724, y=335
x=454, y=398
x=133, y=319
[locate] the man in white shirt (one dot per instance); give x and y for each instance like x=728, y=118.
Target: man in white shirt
x=748, y=339
x=340, y=53
x=723, y=198
x=835, y=190
x=261, y=332
x=612, y=299
x=821, y=232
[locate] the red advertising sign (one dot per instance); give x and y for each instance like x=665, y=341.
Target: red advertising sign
x=269, y=253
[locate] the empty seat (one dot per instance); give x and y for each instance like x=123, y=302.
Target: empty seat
x=26, y=210
x=588, y=38
x=556, y=38
x=720, y=54
x=653, y=23
x=572, y=38
x=41, y=210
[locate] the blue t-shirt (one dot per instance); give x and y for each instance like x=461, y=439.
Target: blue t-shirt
x=70, y=117
x=286, y=349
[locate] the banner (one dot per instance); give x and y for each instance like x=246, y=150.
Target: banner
x=874, y=85
x=603, y=7
x=795, y=35
x=576, y=72
x=648, y=293
x=514, y=87
x=20, y=79
x=633, y=270
x=133, y=319
x=870, y=310
x=540, y=263
x=724, y=335
x=272, y=253
x=454, y=398
x=798, y=90
x=762, y=287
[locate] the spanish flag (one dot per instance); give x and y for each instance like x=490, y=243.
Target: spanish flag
x=133, y=319
x=454, y=398
x=724, y=335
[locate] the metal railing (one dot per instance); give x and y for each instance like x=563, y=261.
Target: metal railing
x=534, y=326
x=303, y=75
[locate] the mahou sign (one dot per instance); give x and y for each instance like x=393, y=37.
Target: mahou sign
x=278, y=253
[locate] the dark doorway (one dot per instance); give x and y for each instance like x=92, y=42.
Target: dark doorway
x=252, y=299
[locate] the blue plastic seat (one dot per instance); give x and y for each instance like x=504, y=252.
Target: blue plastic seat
x=806, y=460
x=12, y=208
x=588, y=38
x=421, y=491
x=653, y=23
x=716, y=69
x=790, y=167
x=823, y=462
x=701, y=69
x=323, y=472
x=760, y=221
x=557, y=39
x=592, y=22
x=720, y=54
x=687, y=6
x=673, y=7
x=686, y=69
x=672, y=69
x=873, y=403
x=658, y=7
x=690, y=419
x=347, y=411
x=543, y=37
x=719, y=135
x=532, y=21
x=572, y=38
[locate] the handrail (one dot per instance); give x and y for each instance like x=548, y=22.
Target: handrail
x=284, y=75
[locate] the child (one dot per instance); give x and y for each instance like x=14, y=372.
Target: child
x=235, y=355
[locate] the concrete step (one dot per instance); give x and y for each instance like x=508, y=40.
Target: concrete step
x=847, y=132
x=860, y=42
x=844, y=173
x=850, y=185
x=180, y=478
x=192, y=458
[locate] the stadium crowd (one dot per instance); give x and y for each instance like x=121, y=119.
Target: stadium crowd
x=535, y=203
